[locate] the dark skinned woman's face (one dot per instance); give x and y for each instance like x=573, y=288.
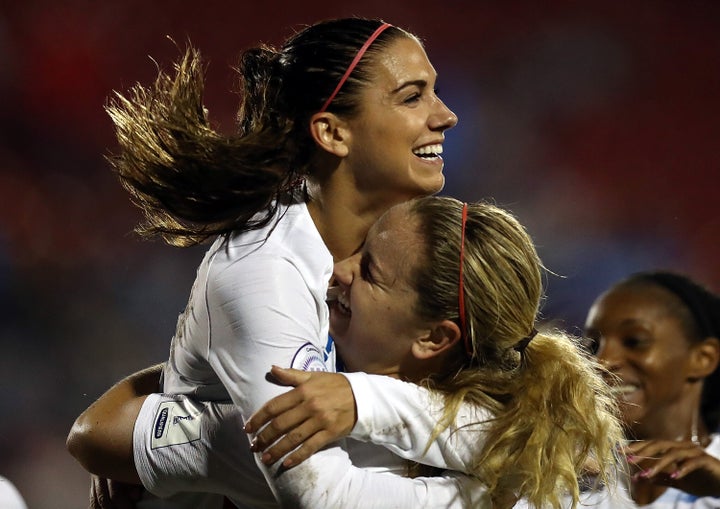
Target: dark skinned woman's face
x=640, y=340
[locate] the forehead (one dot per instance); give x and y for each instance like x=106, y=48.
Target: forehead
x=403, y=60
x=393, y=240
x=647, y=303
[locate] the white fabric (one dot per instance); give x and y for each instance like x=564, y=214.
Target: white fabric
x=401, y=416
x=259, y=299
x=9, y=496
x=672, y=498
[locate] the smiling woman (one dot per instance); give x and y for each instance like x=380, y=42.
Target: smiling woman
x=441, y=301
x=334, y=127
x=658, y=334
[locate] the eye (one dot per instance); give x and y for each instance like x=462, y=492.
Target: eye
x=634, y=342
x=365, y=269
x=413, y=98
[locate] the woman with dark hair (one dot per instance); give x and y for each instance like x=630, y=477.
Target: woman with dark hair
x=658, y=335
x=334, y=127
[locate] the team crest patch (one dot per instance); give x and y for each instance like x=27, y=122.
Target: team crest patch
x=176, y=422
x=309, y=358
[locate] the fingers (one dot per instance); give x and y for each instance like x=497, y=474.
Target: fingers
x=281, y=403
x=99, y=496
x=683, y=465
x=295, y=437
x=123, y=495
x=109, y=494
x=279, y=426
x=663, y=459
x=289, y=376
x=308, y=448
x=273, y=408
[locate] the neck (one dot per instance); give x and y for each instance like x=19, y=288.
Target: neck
x=686, y=424
x=343, y=215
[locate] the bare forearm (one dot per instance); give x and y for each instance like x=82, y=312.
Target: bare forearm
x=101, y=437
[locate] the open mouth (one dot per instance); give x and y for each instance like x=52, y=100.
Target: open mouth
x=623, y=389
x=429, y=151
x=336, y=297
x=343, y=305
x=332, y=294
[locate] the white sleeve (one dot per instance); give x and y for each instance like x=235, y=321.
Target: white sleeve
x=10, y=497
x=261, y=314
x=266, y=316
x=401, y=417
x=347, y=487
x=181, y=445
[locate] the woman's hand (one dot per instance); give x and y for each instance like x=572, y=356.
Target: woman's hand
x=109, y=494
x=682, y=465
x=318, y=411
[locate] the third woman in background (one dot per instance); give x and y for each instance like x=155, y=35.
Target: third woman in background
x=658, y=334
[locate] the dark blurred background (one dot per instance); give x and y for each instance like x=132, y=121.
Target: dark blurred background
x=596, y=122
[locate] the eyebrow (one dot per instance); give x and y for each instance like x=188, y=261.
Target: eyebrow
x=418, y=83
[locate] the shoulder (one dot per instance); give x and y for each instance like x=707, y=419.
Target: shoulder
x=289, y=245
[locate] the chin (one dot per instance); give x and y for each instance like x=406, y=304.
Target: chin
x=438, y=185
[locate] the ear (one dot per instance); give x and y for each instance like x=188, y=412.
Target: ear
x=330, y=133
x=704, y=358
x=442, y=337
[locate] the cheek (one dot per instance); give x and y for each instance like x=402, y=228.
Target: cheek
x=665, y=377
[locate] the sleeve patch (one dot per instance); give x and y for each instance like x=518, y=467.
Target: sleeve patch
x=176, y=422
x=309, y=358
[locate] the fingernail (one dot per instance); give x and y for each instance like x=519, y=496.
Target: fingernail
x=288, y=463
x=266, y=458
x=247, y=428
x=253, y=445
x=646, y=473
x=631, y=457
x=675, y=474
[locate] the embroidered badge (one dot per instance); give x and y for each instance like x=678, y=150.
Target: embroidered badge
x=176, y=422
x=309, y=358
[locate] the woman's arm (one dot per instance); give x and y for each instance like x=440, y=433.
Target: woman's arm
x=276, y=327
x=398, y=415
x=101, y=437
x=212, y=455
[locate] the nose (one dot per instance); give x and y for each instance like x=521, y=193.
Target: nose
x=442, y=117
x=344, y=271
x=610, y=353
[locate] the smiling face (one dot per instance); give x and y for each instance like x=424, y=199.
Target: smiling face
x=373, y=322
x=643, y=343
x=396, y=138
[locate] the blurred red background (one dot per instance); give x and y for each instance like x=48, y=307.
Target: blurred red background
x=596, y=122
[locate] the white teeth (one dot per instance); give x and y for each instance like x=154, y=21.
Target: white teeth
x=332, y=293
x=623, y=389
x=429, y=150
x=343, y=303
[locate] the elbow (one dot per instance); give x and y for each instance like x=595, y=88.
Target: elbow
x=100, y=452
x=82, y=444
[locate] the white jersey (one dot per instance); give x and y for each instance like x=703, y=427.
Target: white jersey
x=619, y=497
x=670, y=499
x=9, y=496
x=258, y=300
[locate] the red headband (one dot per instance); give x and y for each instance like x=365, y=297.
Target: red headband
x=354, y=63
x=461, y=291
